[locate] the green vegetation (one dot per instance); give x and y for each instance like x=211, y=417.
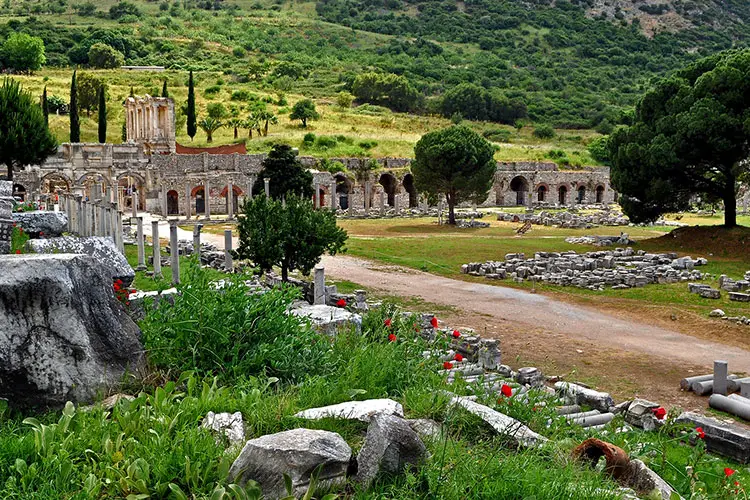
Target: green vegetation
x=691, y=136
x=24, y=136
x=22, y=52
x=286, y=173
x=75, y=124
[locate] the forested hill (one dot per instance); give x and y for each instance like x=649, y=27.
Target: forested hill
x=570, y=63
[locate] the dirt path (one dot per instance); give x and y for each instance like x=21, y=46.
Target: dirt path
x=620, y=354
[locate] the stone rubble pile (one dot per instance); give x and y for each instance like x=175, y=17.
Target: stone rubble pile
x=600, y=241
x=471, y=223
x=568, y=219
x=619, y=269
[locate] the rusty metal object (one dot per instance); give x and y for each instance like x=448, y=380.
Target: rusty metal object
x=591, y=450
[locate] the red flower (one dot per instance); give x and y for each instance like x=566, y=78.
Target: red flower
x=41, y=233
x=116, y=287
x=387, y=322
x=659, y=412
x=118, y=281
x=456, y=334
x=434, y=322
x=18, y=252
x=506, y=391
x=700, y=433
x=447, y=365
x=458, y=357
x=392, y=338
x=127, y=303
x=728, y=472
x=341, y=303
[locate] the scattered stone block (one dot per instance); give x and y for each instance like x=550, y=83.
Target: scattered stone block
x=724, y=439
x=640, y=414
x=717, y=313
x=710, y=293
x=42, y=223
x=390, y=446
x=327, y=319
x=230, y=425
x=63, y=335
x=354, y=410
x=739, y=297
x=645, y=481
x=426, y=428
x=578, y=394
x=297, y=453
x=530, y=376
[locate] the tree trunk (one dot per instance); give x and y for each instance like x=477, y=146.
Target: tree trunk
x=304, y=123
x=10, y=171
x=450, y=197
x=284, y=271
x=250, y=133
x=730, y=208
x=235, y=132
x=209, y=136
x=265, y=130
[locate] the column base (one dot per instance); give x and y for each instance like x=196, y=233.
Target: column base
x=141, y=268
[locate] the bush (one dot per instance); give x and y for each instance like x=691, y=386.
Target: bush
x=123, y=9
x=344, y=99
x=212, y=90
x=232, y=334
x=309, y=139
x=544, y=132
x=325, y=142
x=103, y=56
x=497, y=134
x=367, y=144
x=599, y=149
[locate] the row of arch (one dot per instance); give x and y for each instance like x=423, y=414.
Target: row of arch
x=198, y=193
x=520, y=186
x=390, y=184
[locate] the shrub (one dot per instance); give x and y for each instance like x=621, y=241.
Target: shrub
x=367, y=144
x=309, y=139
x=344, y=99
x=233, y=333
x=599, y=149
x=241, y=95
x=104, y=56
x=497, y=134
x=544, y=132
x=326, y=142
x=212, y=90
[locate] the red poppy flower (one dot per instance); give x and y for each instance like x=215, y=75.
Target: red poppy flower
x=127, y=303
x=341, y=303
x=506, y=391
x=700, y=433
x=14, y=224
x=41, y=233
x=118, y=281
x=728, y=472
x=387, y=322
x=116, y=287
x=392, y=338
x=659, y=412
x=447, y=365
x=458, y=357
x=456, y=334
x=18, y=252
x=434, y=322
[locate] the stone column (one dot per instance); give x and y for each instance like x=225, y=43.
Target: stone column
x=118, y=229
x=163, y=195
x=333, y=196
x=140, y=241
x=228, y=262
x=134, y=203
x=382, y=203
x=207, y=195
x=230, y=200
x=197, y=240
x=81, y=216
x=745, y=389
x=155, y=248
x=267, y=185
x=720, y=377
x=397, y=203
x=6, y=215
x=174, y=253
x=115, y=218
x=319, y=285
x=367, y=197
x=188, y=208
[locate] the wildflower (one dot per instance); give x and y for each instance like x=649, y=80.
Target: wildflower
x=458, y=357
x=341, y=303
x=659, y=412
x=391, y=338
x=387, y=322
x=434, y=322
x=18, y=252
x=127, y=303
x=447, y=365
x=506, y=391
x=699, y=432
x=728, y=472
x=118, y=281
x=456, y=334
x=41, y=233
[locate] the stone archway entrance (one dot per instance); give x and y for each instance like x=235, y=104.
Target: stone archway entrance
x=173, y=203
x=581, y=194
x=408, y=184
x=343, y=190
x=388, y=181
x=541, y=193
x=562, y=195
x=599, y=194
x=200, y=199
x=236, y=193
x=19, y=191
x=520, y=186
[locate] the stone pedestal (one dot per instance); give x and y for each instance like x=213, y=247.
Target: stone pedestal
x=6, y=218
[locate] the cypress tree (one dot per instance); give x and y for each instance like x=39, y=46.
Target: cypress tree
x=75, y=124
x=45, y=107
x=132, y=94
x=164, y=92
x=102, y=116
x=192, y=125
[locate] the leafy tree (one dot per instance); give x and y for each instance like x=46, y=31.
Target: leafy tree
x=86, y=9
x=123, y=9
x=22, y=53
x=102, y=116
x=24, y=137
x=599, y=149
x=210, y=125
x=104, y=56
x=216, y=110
x=265, y=117
x=544, y=132
x=390, y=90
x=455, y=162
x=690, y=136
x=236, y=123
x=344, y=99
x=304, y=110
x=164, y=91
x=192, y=126
x=88, y=92
x=251, y=124
x=45, y=106
x=293, y=70
x=287, y=174
x=291, y=236
x=75, y=124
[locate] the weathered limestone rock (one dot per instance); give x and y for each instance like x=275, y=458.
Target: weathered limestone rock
x=578, y=394
x=6, y=216
x=503, y=424
x=297, y=453
x=354, y=410
x=724, y=439
x=717, y=313
x=63, y=335
x=426, y=428
x=530, y=376
x=644, y=481
x=390, y=445
x=739, y=297
x=103, y=250
x=327, y=319
x=640, y=414
x=41, y=222
x=710, y=293
x=230, y=425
